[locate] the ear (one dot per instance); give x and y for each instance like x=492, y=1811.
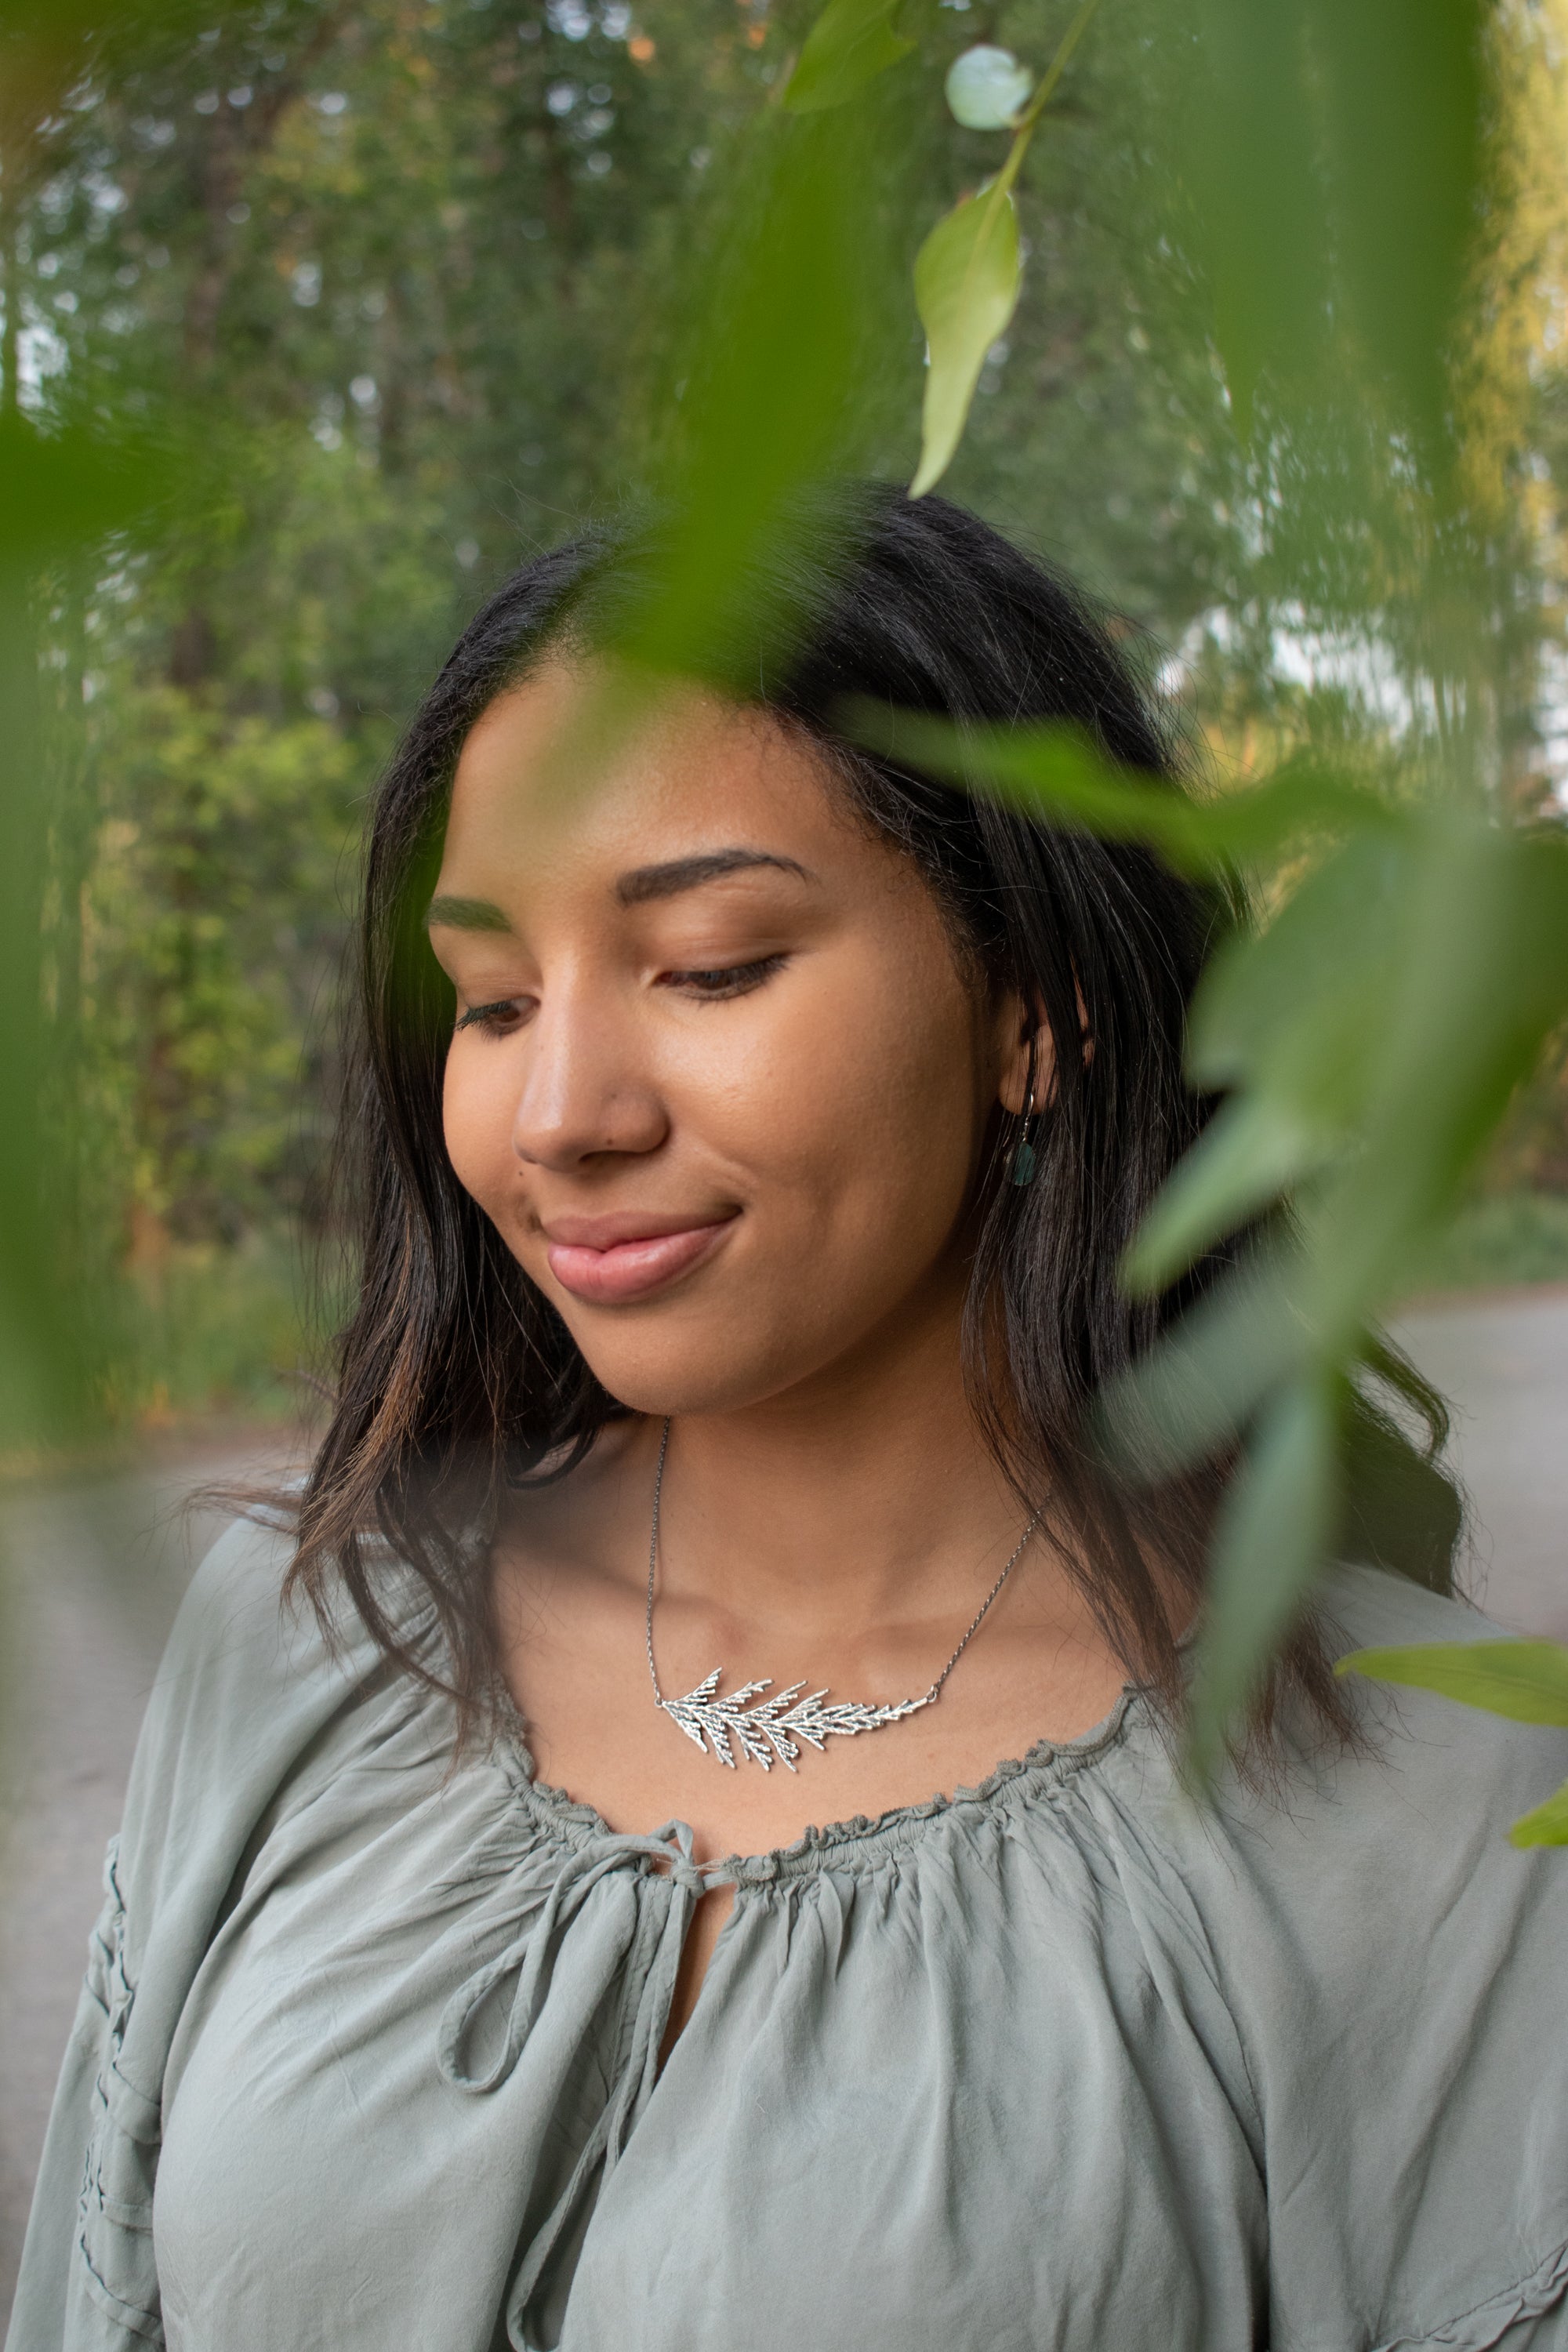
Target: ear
x=1021, y=1021
x=1023, y=1024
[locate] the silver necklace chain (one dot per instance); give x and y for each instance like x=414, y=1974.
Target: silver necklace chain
x=770, y=1730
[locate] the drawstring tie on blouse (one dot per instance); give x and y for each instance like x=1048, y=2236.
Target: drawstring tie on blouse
x=527, y=1965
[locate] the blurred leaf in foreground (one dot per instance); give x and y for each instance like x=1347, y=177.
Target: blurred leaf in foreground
x=1544, y=1824
x=785, y=357
x=1481, y=983
x=1282, y=1510
x=1288, y=1030
x=1057, y=771
x=1379, y=1026
x=850, y=44
x=45, y=48
x=1261, y=209
x=1526, y=1681
x=1184, y=1402
x=68, y=484
x=63, y=490
x=1366, y=1039
x=1334, y=149
x=1401, y=88
x=59, y=492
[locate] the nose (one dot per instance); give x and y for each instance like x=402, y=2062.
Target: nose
x=586, y=1089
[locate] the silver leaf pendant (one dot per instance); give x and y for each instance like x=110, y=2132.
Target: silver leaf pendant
x=768, y=1730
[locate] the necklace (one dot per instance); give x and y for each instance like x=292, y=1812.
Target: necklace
x=768, y=1730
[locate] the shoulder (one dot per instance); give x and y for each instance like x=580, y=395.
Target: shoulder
x=245, y=1691
x=1392, y=1966
x=1424, y=1774
x=1430, y=1772
x=1401, y=1840
x=240, y=1659
x=1369, y=1604
x=246, y=1686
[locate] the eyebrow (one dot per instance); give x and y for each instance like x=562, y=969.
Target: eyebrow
x=634, y=889
x=466, y=915
x=667, y=881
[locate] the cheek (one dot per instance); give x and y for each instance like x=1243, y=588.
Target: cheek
x=867, y=1121
x=475, y=1121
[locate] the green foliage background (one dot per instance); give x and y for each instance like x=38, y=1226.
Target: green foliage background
x=396, y=291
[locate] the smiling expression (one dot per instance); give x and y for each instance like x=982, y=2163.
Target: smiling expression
x=717, y=1075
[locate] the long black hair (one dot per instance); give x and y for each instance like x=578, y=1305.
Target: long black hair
x=455, y=1373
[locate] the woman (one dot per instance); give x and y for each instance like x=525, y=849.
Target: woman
x=748, y=1133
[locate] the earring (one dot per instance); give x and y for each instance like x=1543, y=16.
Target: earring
x=1023, y=1162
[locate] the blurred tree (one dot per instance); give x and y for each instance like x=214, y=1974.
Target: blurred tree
x=209, y=928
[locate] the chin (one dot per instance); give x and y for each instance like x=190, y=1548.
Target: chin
x=684, y=1391
x=701, y=1374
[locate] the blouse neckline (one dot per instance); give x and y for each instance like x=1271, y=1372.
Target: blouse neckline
x=863, y=1841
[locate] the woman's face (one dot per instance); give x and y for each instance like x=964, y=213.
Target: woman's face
x=717, y=1077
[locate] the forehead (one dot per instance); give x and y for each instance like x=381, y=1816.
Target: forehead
x=553, y=777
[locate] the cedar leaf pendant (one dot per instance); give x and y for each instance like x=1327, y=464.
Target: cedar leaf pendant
x=770, y=1730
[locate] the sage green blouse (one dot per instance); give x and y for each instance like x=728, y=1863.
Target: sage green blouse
x=367, y=2055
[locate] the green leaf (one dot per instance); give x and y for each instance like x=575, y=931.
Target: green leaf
x=1399, y=81
x=61, y=492
x=1527, y=1681
x=782, y=361
x=1273, y=1535
x=69, y=487
x=1334, y=162
x=1252, y=1150
x=1546, y=1825
x=1479, y=982
x=1259, y=210
x=1295, y=1017
x=850, y=44
x=1194, y=1391
x=1257, y=825
x=1298, y=1006
x=1056, y=773
x=967, y=276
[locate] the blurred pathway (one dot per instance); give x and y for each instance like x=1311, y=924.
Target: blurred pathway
x=1502, y=1362
x=92, y=1575
x=95, y=1573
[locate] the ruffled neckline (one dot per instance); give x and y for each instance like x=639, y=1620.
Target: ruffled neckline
x=864, y=1841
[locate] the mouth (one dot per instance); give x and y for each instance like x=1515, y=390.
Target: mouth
x=607, y=1261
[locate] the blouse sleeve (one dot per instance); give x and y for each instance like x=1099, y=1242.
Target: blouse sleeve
x=87, y=2276
x=1396, y=1970
x=242, y=1692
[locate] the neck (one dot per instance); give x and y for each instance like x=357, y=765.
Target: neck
x=864, y=1495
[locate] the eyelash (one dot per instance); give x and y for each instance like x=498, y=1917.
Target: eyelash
x=734, y=980
x=484, y=1016
x=729, y=979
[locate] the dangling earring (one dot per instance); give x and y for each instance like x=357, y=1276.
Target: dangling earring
x=1022, y=1163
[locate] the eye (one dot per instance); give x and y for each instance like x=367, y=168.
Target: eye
x=496, y=1019
x=729, y=980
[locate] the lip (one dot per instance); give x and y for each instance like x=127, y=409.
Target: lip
x=608, y=1260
